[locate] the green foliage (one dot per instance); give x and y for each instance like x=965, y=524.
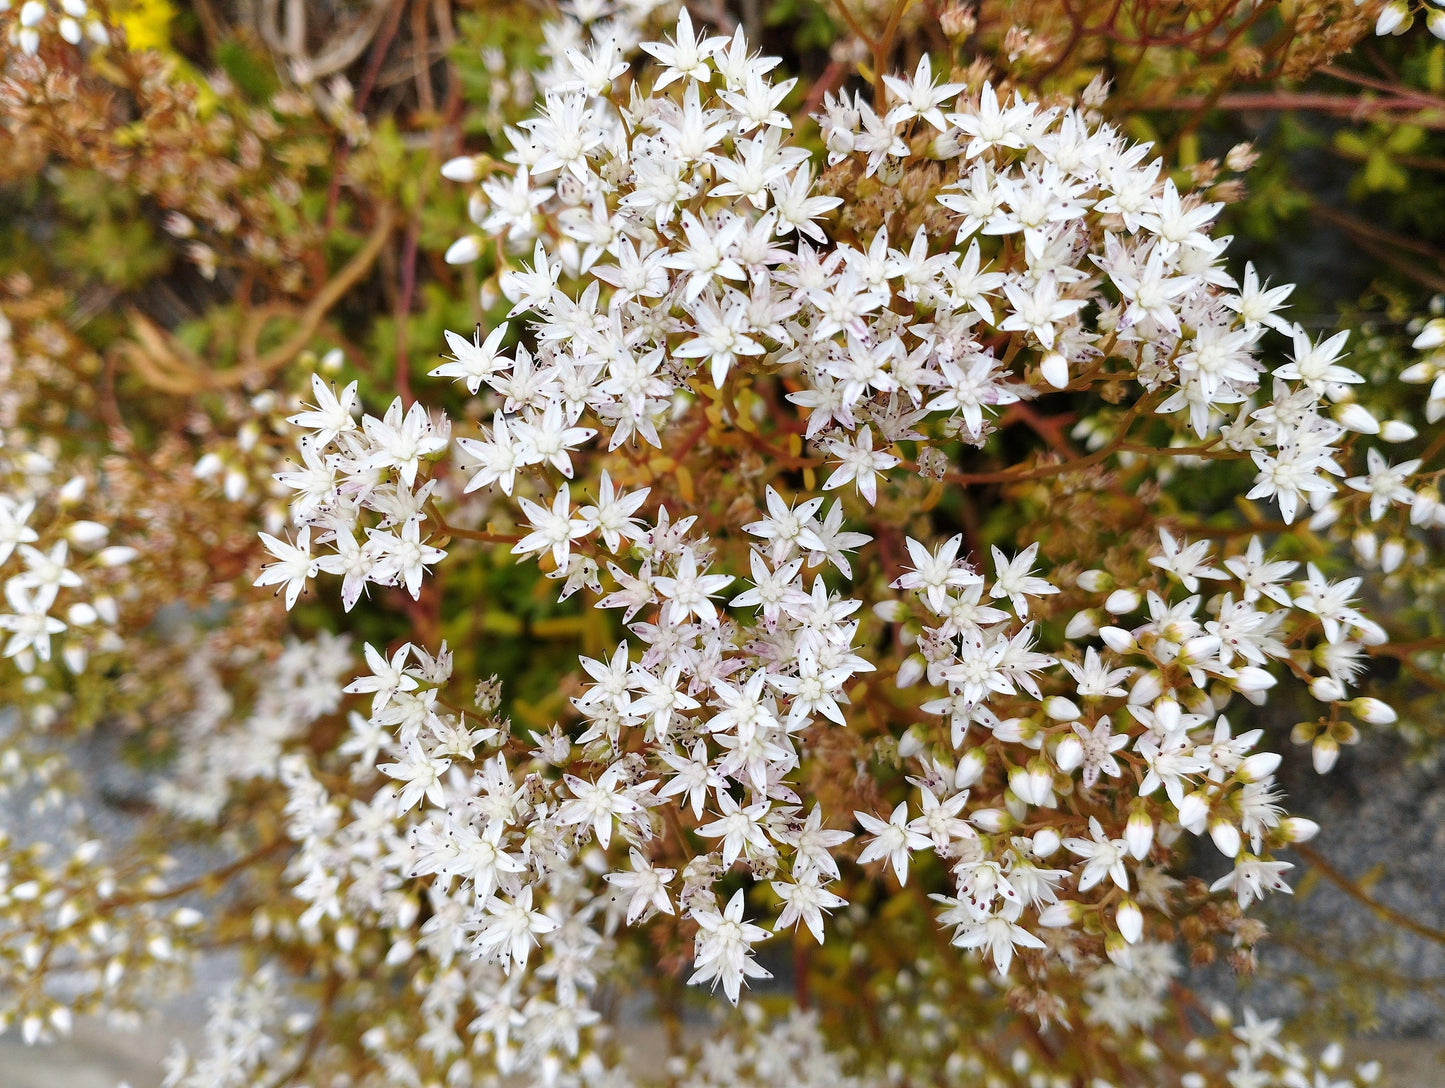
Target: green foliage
x=249, y=69
x=104, y=234
x=808, y=23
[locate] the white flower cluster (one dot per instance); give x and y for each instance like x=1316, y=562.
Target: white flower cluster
x=499, y=851
x=767, y=1052
x=248, y=1033
x=84, y=927
x=350, y=476
x=58, y=566
x=219, y=748
x=72, y=20
x=1260, y=1056
x=43, y=584
x=1132, y=996
x=1049, y=254
x=1161, y=709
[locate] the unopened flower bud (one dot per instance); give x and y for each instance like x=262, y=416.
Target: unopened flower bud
x=178, y=225
x=401, y=951
x=1367, y=547
x=1061, y=914
x=1258, y=767
x=1325, y=753
x=1327, y=689
x=1117, y=949
x=1061, y=709
x=1354, y=416
x=1298, y=829
x=1392, y=554
x=1046, y=842
x=1370, y=633
x=1118, y=639
x=1016, y=730
x=1095, y=581
x=1395, y=17
x=1055, y=369
x=1252, y=678
x=1225, y=836
x=1372, y=711
x=970, y=769
x=1421, y=373
x=944, y=146
x=477, y=207
x=85, y=533
x=187, y=918
x=1432, y=336
x=910, y=671
x=1193, y=811
x=957, y=20
x=992, y=820
x=1139, y=834
x=1167, y=713
x=1020, y=782
x=1427, y=510
x=1083, y=625
x=207, y=466
x=71, y=491
x=1130, y=920
x=489, y=294
x=249, y=434
x=1122, y=601
x=1198, y=650
x=464, y=250
x=1041, y=781
x=1146, y=689
x=1069, y=754
x=463, y=168
x=891, y=611
x=1325, y=516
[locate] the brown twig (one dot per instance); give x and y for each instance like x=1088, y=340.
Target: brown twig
x=1354, y=891
x=215, y=876
x=166, y=364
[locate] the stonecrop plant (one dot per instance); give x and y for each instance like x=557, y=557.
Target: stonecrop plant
x=946, y=520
